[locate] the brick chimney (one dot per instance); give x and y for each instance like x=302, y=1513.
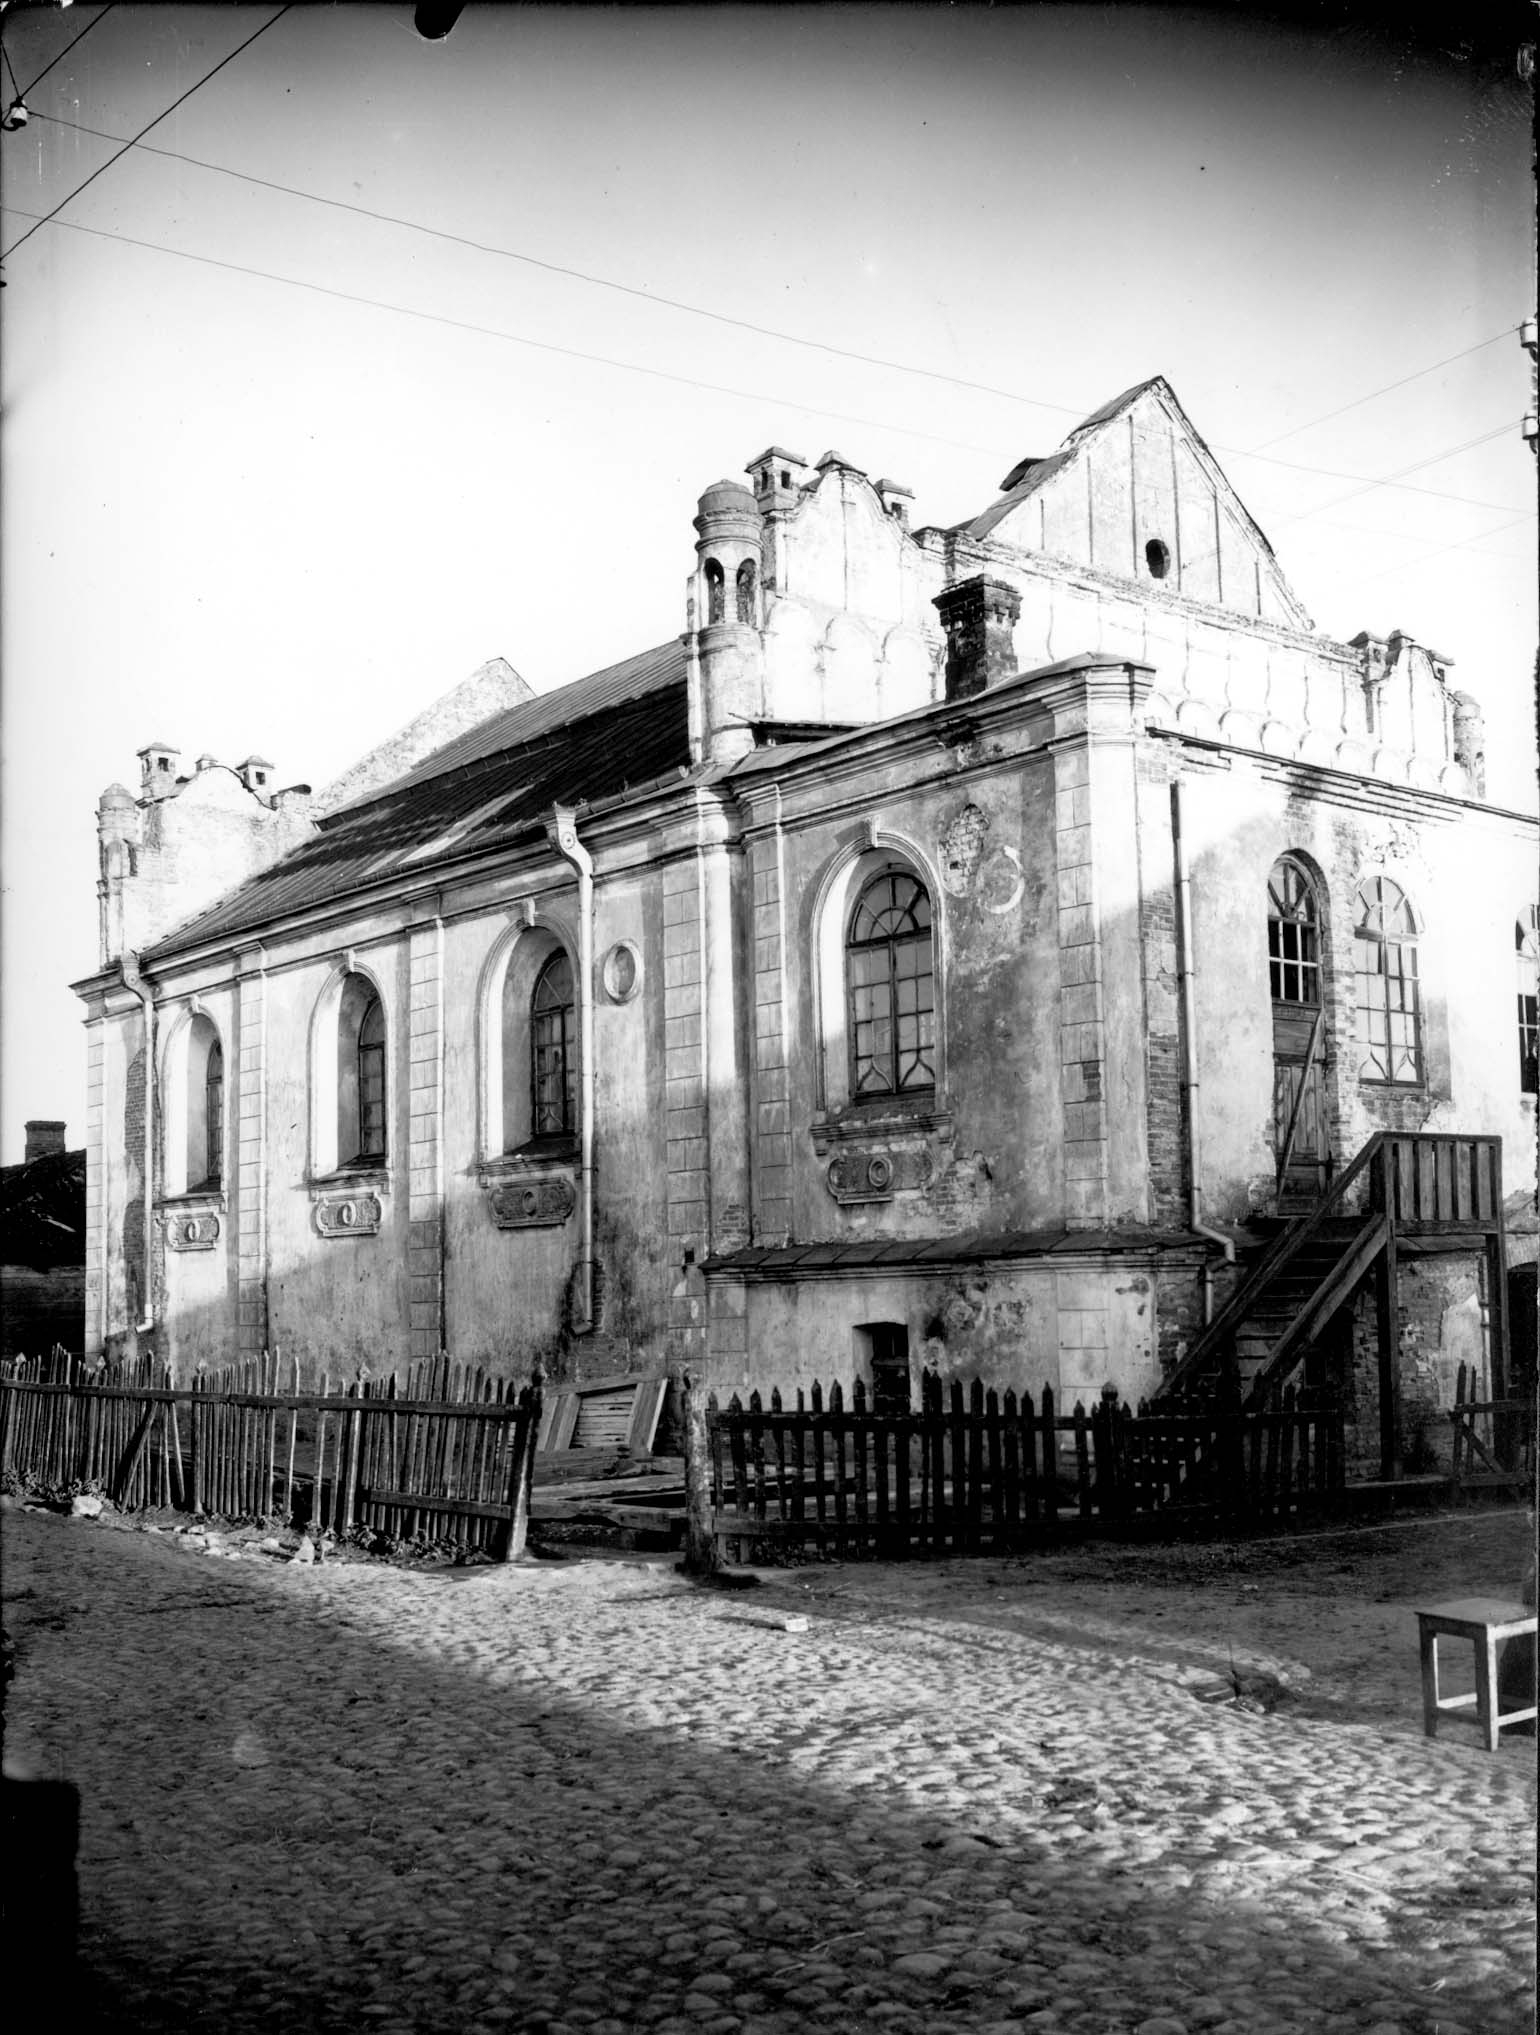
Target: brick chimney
x=45, y=1137
x=978, y=616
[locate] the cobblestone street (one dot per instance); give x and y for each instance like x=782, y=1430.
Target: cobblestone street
x=590, y=1795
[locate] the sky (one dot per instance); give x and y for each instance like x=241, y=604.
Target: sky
x=379, y=357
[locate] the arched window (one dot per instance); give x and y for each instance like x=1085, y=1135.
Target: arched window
x=552, y=1032
x=716, y=592
x=1389, y=995
x=214, y=1116
x=362, y=1088
x=890, y=989
x=745, y=588
x=1293, y=935
x=195, y=1110
x=1526, y=941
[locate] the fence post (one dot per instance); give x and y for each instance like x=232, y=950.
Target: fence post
x=521, y=1478
x=700, y=1549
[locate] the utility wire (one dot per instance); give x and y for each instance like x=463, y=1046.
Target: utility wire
x=15, y=85
x=123, y=151
x=663, y=374
x=725, y=318
x=1481, y=344
x=43, y=73
x=572, y=274
x=1463, y=544
x=515, y=338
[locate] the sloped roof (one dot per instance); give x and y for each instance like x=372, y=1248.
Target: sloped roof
x=1043, y=470
x=623, y=726
x=790, y=1261
x=43, y=1211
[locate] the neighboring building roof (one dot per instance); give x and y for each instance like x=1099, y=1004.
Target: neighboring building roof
x=43, y=1211
x=627, y=725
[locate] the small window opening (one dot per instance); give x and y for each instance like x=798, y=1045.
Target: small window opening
x=1527, y=955
x=261, y=777
x=1158, y=558
x=785, y=478
x=745, y=591
x=716, y=595
x=163, y=763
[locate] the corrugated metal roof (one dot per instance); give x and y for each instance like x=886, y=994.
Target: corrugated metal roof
x=550, y=712
x=625, y=726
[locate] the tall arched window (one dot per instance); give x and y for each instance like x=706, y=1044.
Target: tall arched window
x=1389, y=995
x=214, y=1116
x=745, y=591
x=890, y=989
x=1293, y=935
x=552, y=1034
x=363, y=1137
x=195, y=1118
x=716, y=592
x=1526, y=941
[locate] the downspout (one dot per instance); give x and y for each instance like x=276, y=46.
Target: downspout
x=1190, y=1059
x=132, y=979
x=562, y=829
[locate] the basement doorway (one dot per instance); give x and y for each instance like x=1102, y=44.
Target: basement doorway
x=882, y=1353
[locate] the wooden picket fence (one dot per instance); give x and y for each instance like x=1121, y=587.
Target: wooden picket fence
x=1493, y=1440
x=973, y=1471
x=446, y=1455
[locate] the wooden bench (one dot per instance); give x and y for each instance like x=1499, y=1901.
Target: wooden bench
x=1486, y=1622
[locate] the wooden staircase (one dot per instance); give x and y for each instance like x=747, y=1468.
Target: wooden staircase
x=1405, y=1194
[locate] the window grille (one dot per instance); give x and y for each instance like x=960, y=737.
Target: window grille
x=1293, y=935
x=553, y=1113
x=1389, y=993
x=1526, y=940
x=890, y=989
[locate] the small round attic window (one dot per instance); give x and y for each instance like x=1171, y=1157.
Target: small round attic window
x=1158, y=558
x=621, y=972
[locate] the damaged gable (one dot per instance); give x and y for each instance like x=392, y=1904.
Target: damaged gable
x=1134, y=491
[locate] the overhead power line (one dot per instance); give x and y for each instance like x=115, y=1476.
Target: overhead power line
x=727, y=318
x=43, y=73
x=1358, y=401
x=123, y=151
x=656, y=373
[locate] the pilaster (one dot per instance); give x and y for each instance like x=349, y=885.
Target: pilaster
x=249, y=1202
x=425, y=1145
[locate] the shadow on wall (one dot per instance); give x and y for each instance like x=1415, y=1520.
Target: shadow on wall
x=534, y=1855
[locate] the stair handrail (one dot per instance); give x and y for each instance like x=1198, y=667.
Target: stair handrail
x=1357, y=1256
x=1283, y=1248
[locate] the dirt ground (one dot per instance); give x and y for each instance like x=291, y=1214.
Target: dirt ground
x=1329, y=1614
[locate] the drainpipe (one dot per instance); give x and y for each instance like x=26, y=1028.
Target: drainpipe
x=1190, y=1058
x=132, y=979
x=562, y=829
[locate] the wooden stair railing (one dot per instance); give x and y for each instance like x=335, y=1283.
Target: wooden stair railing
x=1276, y=1259
x=1359, y=1253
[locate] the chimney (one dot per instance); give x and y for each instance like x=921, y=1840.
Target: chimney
x=895, y=499
x=254, y=773
x=45, y=1138
x=978, y=616
x=777, y=476
x=159, y=779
